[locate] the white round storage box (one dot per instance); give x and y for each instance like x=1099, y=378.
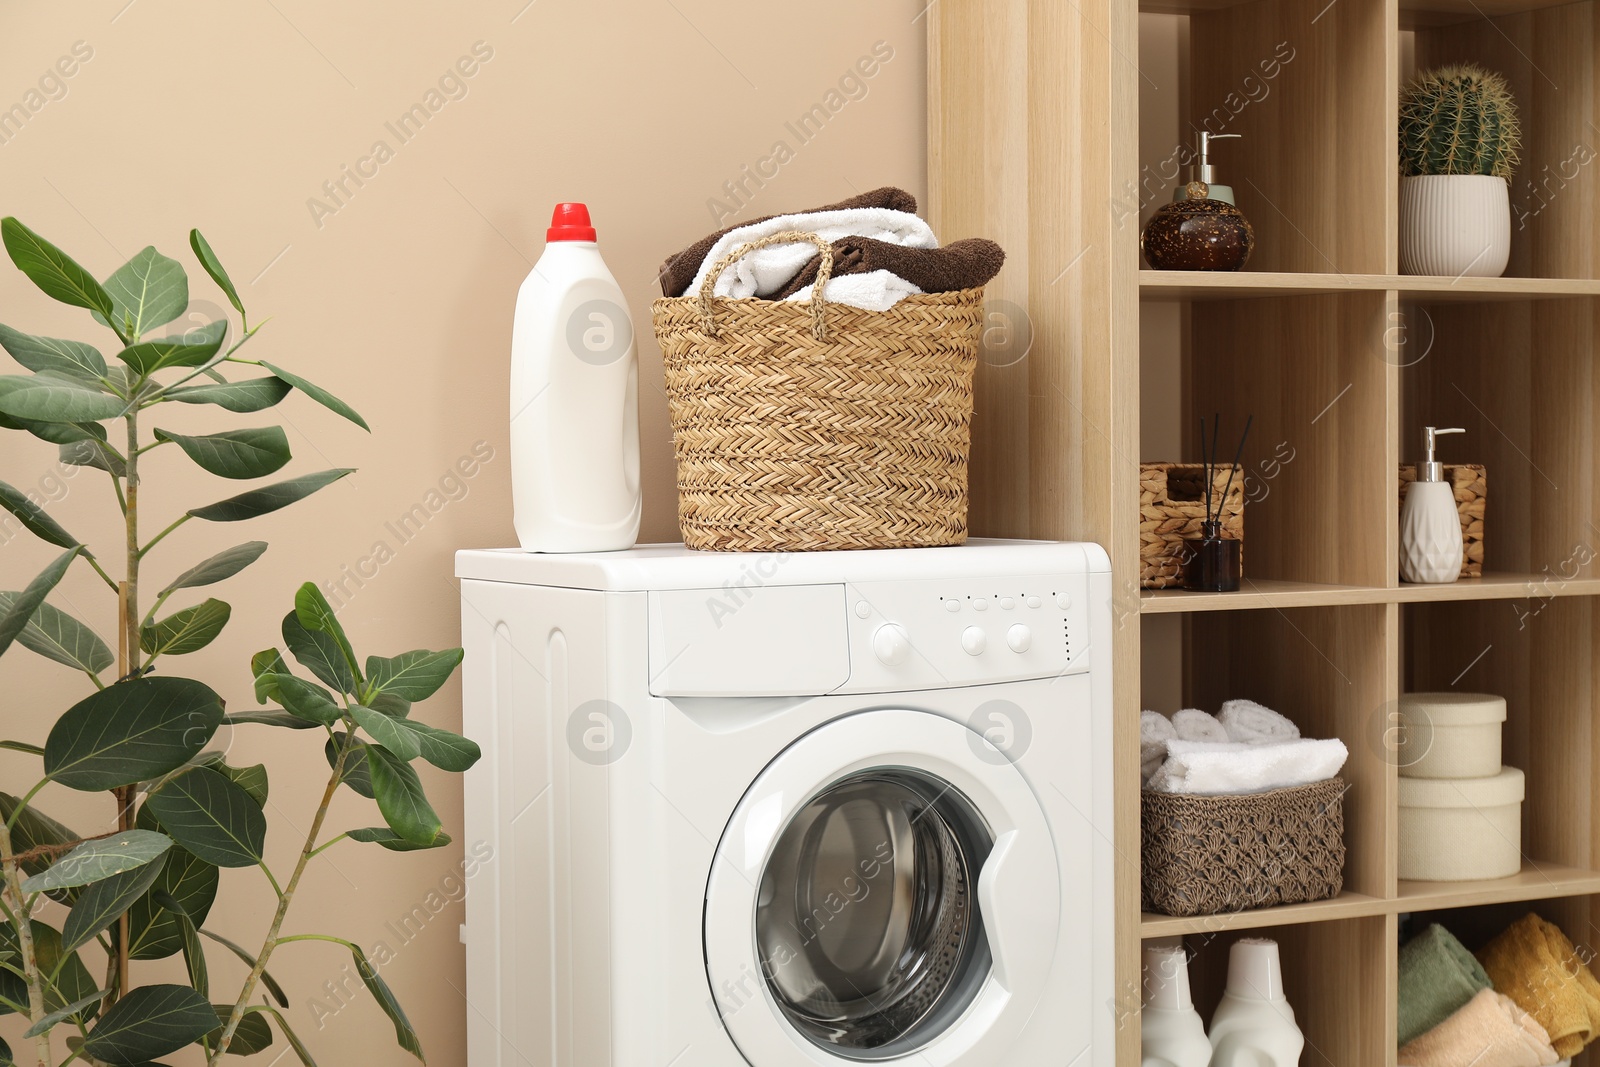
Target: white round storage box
x=1461, y=829
x=1451, y=735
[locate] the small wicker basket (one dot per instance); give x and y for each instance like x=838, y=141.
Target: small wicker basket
x=1172, y=505
x=806, y=426
x=1471, y=484
x=1209, y=855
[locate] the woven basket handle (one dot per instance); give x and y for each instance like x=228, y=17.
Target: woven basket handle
x=788, y=237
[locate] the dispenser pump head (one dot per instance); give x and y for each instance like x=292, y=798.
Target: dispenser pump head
x=1430, y=469
x=1203, y=173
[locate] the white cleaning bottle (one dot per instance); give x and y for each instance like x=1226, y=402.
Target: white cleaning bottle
x=1430, y=525
x=1254, y=1025
x=1170, y=1031
x=574, y=399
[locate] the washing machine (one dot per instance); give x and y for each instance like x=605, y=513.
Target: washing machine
x=790, y=810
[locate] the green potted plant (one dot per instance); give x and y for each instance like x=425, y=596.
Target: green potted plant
x=141, y=733
x=1459, y=143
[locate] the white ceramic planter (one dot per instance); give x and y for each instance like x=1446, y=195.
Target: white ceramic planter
x=1455, y=225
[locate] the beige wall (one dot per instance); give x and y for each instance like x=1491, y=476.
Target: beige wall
x=230, y=117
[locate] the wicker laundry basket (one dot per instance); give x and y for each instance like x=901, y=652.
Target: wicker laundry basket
x=806, y=426
x=1208, y=855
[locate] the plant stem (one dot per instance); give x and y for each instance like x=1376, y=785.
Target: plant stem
x=284, y=901
x=30, y=964
x=128, y=604
x=179, y=521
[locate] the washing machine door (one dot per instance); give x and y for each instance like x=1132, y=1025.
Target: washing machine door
x=886, y=890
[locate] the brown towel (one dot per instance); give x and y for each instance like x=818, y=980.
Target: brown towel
x=1488, y=1031
x=1534, y=964
x=679, y=270
x=958, y=265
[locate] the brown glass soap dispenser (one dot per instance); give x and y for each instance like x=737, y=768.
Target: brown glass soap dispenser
x=1201, y=229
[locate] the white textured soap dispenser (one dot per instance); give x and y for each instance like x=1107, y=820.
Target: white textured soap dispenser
x=1254, y=1025
x=1171, y=1033
x=1430, y=525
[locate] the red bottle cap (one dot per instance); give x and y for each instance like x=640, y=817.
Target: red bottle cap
x=570, y=222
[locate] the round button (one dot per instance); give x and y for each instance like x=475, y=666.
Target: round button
x=891, y=644
x=863, y=609
x=1033, y=602
x=974, y=640
x=1019, y=638
x=980, y=605
x=952, y=605
x=1063, y=601
x=1006, y=603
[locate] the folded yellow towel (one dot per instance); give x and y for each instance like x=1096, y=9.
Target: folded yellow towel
x=1534, y=964
x=1489, y=1031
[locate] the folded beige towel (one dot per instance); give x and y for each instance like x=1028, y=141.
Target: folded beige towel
x=1488, y=1031
x=1534, y=964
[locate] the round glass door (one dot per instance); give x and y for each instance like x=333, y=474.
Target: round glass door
x=867, y=926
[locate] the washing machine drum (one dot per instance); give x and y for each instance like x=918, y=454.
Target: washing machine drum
x=874, y=911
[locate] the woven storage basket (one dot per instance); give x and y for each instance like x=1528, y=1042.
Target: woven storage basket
x=802, y=426
x=1471, y=484
x=1208, y=855
x=1172, y=505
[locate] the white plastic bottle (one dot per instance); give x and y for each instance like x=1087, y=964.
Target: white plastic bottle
x=1254, y=1025
x=574, y=399
x=1170, y=1031
x=1430, y=525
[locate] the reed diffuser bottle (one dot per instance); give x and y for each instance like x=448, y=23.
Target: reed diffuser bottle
x=1211, y=562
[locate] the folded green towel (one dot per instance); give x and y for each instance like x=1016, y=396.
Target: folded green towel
x=1437, y=976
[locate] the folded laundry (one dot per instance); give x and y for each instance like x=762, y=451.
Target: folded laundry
x=1155, y=730
x=1488, y=1031
x=1437, y=977
x=1534, y=964
x=958, y=265
x=1209, y=768
x=1192, y=724
x=877, y=291
x=1245, y=720
x=679, y=269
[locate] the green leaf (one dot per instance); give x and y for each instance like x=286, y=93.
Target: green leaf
x=355, y=775
x=102, y=903
x=251, y=453
x=255, y=394
x=306, y=700
x=32, y=829
x=211, y=817
x=53, y=397
x=192, y=349
x=78, y=1007
x=213, y=266
x=16, y=617
x=320, y=395
x=289, y=1035
x=35, y=518
x=318, y=653
x=316, y=615
x=252, y=779
x=72, y=982
x=219, y=567
x=52, y=270
x=53, y=353
x=95, y=454
x=404, y=1035
x=185, y=631
x=131, y=731
x=251, y=1036
x=268, y=498
x=443, y=749
x=54, y=634
x=265, y=666
x=100, y=858
x=6, y=1059
x=149, y=290
x=413, y=675
x=382, y=835
x=389, y=704
x=57, y=433
x=387, y=732
x=150, y=1021
x=399, y=794
x=269, y=718
x=153, y=929
x=266, y=976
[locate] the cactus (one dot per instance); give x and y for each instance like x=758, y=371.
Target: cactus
x=1459, y=120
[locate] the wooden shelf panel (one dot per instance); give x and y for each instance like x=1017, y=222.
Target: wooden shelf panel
x=1343, y=906
x=1235, y=285
x=1413, y=13
x=1268, y=593
x=1536, y=881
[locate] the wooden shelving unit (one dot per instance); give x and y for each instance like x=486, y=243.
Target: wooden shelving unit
x=1050, y=126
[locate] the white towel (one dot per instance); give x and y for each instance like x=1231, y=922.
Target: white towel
x=876, y=290
x=1193, y=724
x=764, y=272
x=1230, y=768
x=1247, y=721
x=1155, y=730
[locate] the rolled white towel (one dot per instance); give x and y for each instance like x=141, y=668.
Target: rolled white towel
x=1232, y=768
x=1193, y=724
x=1247, y=721
x=1155, y=730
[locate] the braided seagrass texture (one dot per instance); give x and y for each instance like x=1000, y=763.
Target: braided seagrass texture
x=1210, y=855
x=788, y=442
